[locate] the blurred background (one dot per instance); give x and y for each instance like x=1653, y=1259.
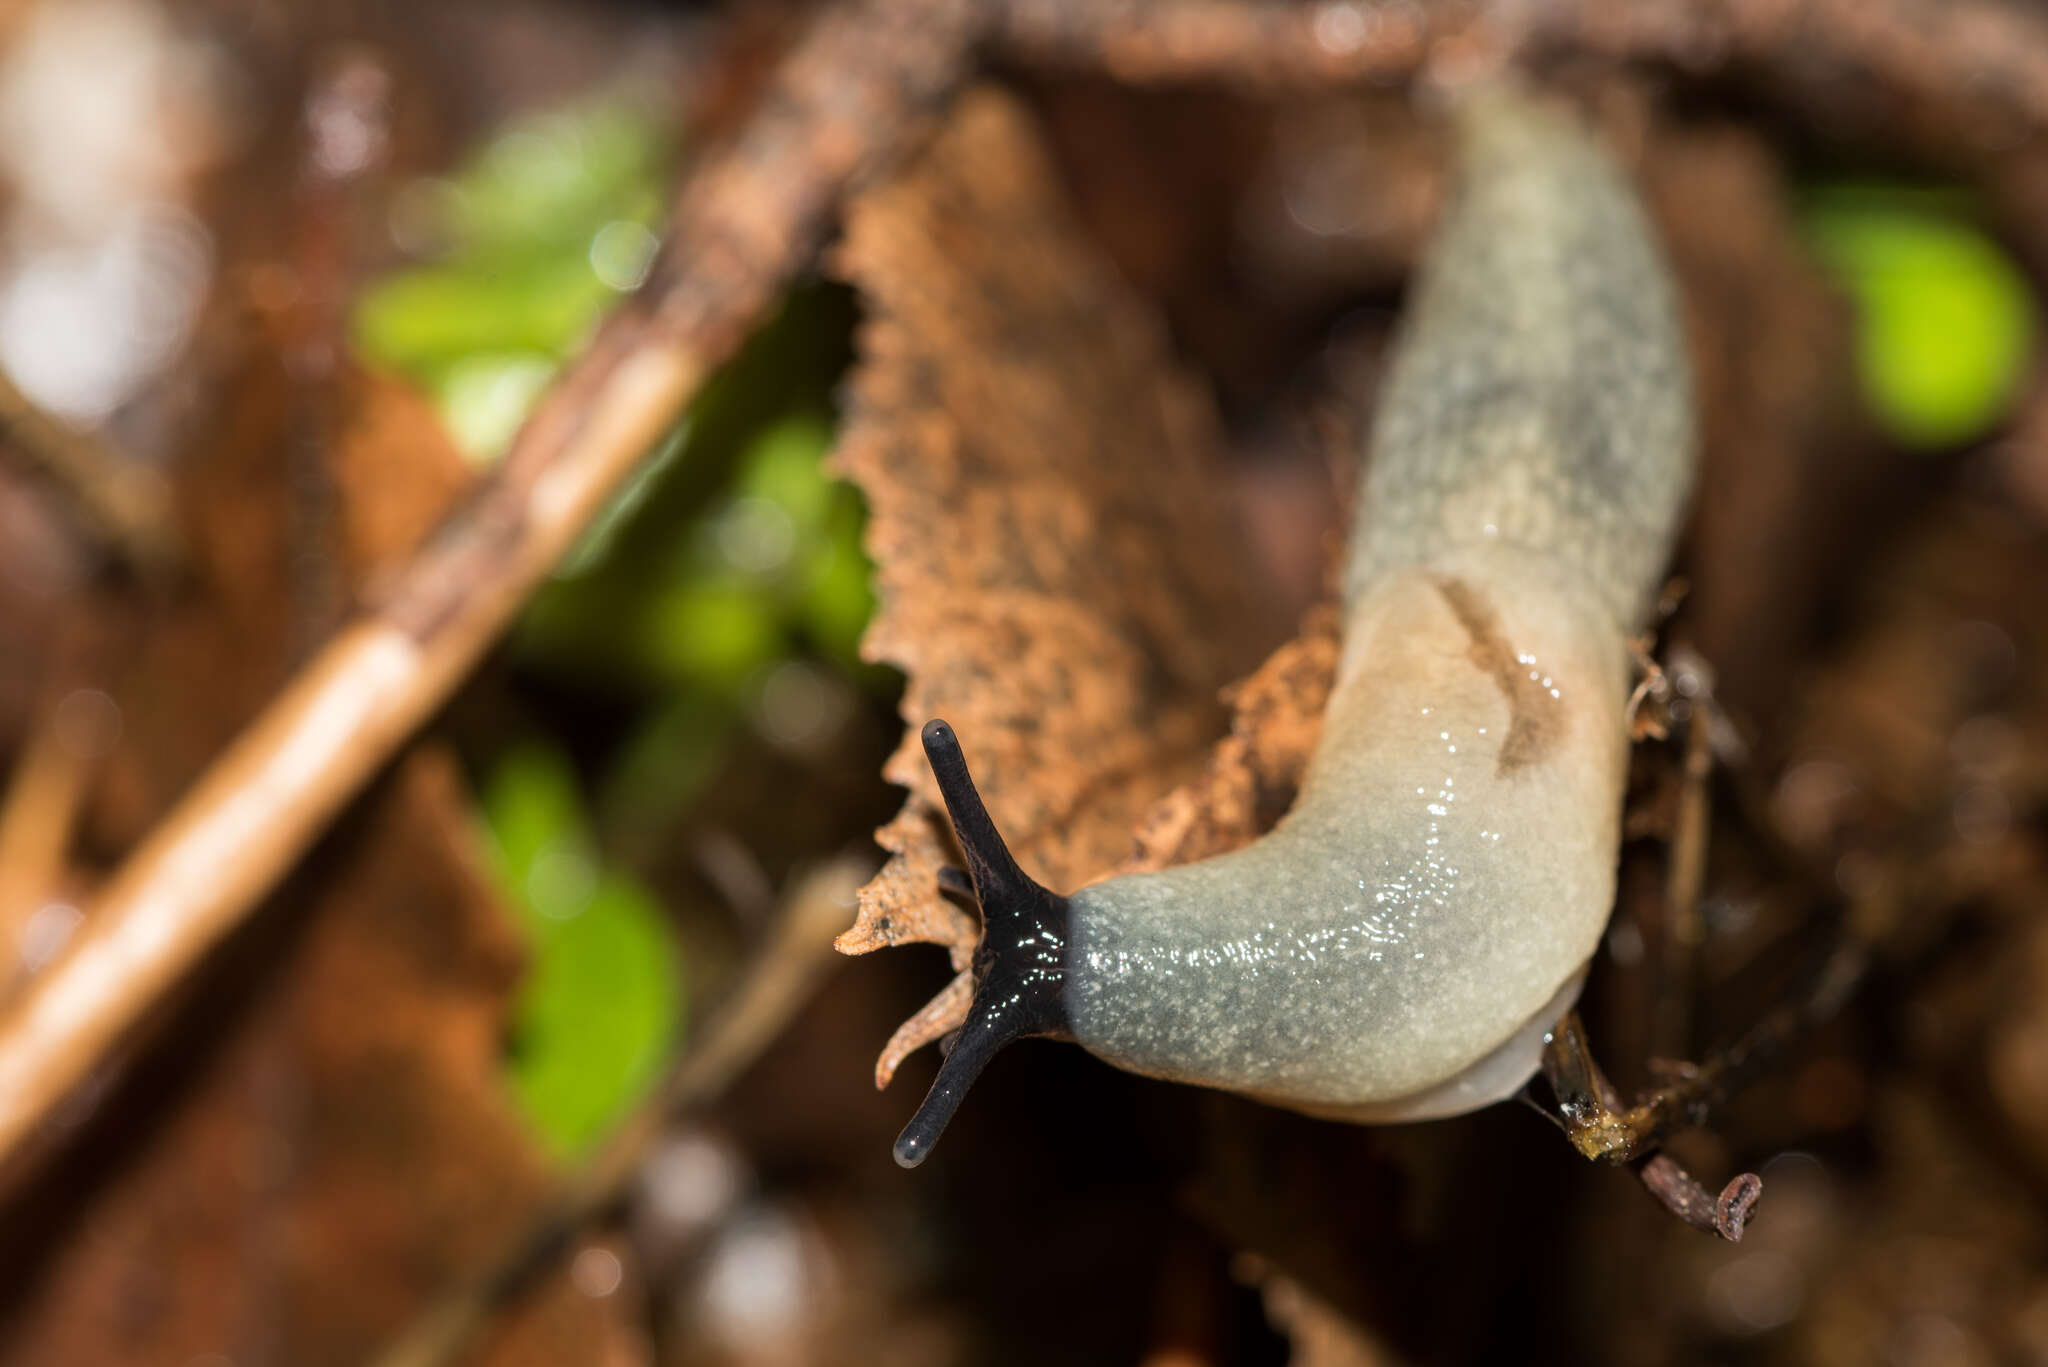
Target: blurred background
x=278, y=285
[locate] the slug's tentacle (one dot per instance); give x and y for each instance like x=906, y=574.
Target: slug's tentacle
x=1019, y=966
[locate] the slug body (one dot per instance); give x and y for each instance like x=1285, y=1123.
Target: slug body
x=1399, y=945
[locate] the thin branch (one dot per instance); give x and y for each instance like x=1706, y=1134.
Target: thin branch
x=124, y=505
x=44, y=794
x=1966, y=72
x=778, y=982
x=1684, y=877
x=1243, y=43
x=847, y=99
x=1679, y=1192
x=1600, y=1127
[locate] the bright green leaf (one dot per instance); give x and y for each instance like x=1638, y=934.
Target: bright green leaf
x=557, y=177
x=420, y=321
x=596, y=1014
x=1944, y=318
x=541, y=232
x=484, y=399
x=530, y=806
x=598, y=1008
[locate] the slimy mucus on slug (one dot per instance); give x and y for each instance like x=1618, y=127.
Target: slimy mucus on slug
x=1398, y=946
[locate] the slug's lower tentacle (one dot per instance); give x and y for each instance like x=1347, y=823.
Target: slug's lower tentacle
x=1019, y=966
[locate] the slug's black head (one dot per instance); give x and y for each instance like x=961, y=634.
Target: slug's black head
x=1019, y=966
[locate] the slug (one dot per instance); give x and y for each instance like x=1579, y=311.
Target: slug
x=1401, y=943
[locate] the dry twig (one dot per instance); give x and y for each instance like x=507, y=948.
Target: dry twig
x=1233, y=42
x=1601, y=1126
x=1685, y=876
x=1680, y=1193
x=42, y=801
x=124, y=504
x=1976, y=68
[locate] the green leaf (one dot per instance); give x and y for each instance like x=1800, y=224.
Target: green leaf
x=540, y=234
x=530, y=807
x=715, y=631
x=701, y=575
x=602, y=997
x=1944, y=318
x=556, y=177
x=419, y=322
x=785, y=465
x=596, y=1015
x=485, y=398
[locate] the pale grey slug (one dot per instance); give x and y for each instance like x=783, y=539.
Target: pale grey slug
x=1399, y=945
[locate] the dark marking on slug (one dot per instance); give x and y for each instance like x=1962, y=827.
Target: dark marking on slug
x=1536, y=720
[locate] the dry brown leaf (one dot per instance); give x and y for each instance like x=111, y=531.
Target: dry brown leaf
x=317, y=1141
x=935, y=1018
x=1058, y=573
x=389, y=498
x=335, y=1145
x=1251, y=777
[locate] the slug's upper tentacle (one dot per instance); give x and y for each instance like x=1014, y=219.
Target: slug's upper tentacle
x=1019, y=966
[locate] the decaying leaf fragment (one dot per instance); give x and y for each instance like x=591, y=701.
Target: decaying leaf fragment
x=319, y=1139
x=1058, y=572
x=1249, y=781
